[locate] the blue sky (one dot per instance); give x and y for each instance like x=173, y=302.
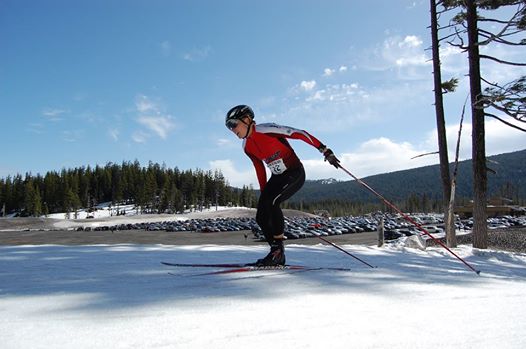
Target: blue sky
x=91, y=82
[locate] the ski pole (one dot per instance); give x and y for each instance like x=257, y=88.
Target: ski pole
x=346, y=252
x=341, y=249
x=412, y=221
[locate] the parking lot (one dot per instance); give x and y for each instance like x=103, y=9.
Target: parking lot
x=244, y=231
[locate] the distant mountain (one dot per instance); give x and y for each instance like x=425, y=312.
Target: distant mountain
x=509, y=168
x=326, y=181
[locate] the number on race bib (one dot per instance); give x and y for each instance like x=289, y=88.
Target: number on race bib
x=277, y=166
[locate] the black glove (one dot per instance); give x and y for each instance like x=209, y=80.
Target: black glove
x=330, y=157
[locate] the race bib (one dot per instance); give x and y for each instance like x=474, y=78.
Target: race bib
x=277, y=166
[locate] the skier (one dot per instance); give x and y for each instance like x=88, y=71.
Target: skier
x=268, y=143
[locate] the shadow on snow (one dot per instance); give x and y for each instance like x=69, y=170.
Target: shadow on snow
x=123, y=276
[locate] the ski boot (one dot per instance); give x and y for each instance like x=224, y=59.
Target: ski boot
x=276, y=256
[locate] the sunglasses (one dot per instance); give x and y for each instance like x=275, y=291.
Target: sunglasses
x=232, y=124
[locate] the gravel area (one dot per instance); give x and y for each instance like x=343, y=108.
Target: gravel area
x=70, y=237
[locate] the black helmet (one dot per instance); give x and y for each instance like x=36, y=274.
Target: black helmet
x=237, y=113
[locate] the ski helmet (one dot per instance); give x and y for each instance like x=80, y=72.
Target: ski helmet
x=236, y=114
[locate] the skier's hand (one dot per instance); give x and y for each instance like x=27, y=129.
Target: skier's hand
x=331, y=158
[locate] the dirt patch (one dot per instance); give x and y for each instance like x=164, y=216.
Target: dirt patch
x=70, y=237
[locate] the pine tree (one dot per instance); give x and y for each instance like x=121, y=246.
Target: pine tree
x=71, y=202
x=32, y=201
x=504, y=98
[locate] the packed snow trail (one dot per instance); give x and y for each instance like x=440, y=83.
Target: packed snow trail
x=120, y=296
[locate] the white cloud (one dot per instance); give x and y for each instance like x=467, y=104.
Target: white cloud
x=114, y=134
x=338, y=107
x=404, y=54
x=453, y=60
x=197, y=54
x=500, y=138
x=140, y=137
x=152, y=117
x=221, y=142
x=54, y=114
x=328, y=72
x=234, y=176
x=144, y=104
x=160, y=125
x=410, y=41
x=502, y=73
x=320, y=169
x=308, y=85
x=409, y=52
x=317, y=96
x=382, y=155
x=335, y=92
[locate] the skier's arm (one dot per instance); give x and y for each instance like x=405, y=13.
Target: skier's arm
x=293, y=133
x=310, y=139
x=306, y=137
x=261, y=173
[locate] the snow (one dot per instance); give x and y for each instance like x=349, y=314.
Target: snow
x=105, y=210
x=120, y=296
x=106, y=216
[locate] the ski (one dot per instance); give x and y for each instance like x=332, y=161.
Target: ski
x=233, y=268
x=261, y=268
x=278, y=268
x=209, y=265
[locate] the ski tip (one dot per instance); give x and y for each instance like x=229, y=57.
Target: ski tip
x=478, y=272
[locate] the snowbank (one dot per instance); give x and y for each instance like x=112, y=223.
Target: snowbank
x=59, y=221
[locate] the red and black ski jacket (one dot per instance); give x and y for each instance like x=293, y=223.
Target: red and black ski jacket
x=268, y=143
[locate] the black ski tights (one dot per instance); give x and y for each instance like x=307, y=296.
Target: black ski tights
x=278, y=189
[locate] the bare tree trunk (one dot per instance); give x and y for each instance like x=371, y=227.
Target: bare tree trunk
x=480, y=234
x=451, y=213
x=451, y=239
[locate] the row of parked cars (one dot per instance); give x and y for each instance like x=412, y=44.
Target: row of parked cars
x=306, y=227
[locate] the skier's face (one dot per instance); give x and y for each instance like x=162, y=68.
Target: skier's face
x=241, y=129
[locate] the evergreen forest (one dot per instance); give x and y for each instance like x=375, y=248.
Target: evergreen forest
x=153, y=189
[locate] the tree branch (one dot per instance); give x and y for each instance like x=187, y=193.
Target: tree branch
x=491, y=83
x=447, y=37
x=493, y=20
x=419, y=156
x=498, y=38
x=505, y=122
x=506, y=111
x=502, y=61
